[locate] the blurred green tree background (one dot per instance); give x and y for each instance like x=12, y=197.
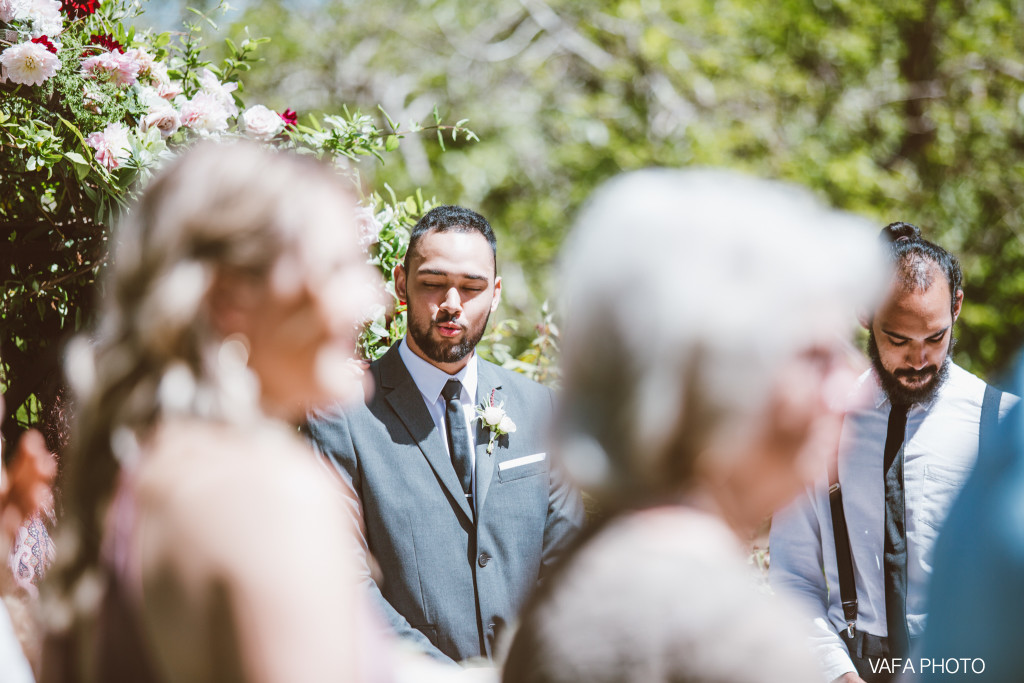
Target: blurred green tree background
x=899, y=110
x=896, y=109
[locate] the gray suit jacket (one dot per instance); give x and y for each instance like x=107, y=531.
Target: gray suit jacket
x=451, y=582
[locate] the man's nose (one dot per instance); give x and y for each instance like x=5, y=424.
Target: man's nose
x=917, y=356
x=452, y=302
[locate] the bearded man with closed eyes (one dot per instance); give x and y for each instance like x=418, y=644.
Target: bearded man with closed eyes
x=857, y=548
x=463, y=521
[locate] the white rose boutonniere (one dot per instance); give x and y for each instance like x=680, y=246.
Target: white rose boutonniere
x=495, y=419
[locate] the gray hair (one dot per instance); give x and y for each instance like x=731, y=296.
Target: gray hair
x=684, y=291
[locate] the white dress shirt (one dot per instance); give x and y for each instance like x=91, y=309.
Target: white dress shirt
x=940, y=449
x=430, y=380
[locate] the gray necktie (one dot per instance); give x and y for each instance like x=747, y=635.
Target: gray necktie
x=458, y=435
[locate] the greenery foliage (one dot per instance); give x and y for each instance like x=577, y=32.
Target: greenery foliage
x=76, y=147
x=896, y=109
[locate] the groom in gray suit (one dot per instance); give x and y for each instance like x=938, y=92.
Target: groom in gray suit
x=464, y=515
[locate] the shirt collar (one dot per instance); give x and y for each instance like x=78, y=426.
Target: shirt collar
x=430, y=379
x=882, y=399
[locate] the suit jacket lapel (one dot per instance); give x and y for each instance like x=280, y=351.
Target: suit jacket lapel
x=487, y=382
x=405, y=399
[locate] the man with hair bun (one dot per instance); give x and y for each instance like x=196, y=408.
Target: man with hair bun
x=857, y=548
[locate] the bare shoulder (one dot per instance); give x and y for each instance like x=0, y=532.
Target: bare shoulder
x=225, y=490
x=227, y=521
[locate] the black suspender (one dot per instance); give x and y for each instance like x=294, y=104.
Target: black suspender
x=844, y=554
x=989, y=417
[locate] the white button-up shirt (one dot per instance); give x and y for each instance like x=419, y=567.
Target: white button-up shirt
x=940, y=449
x=430, y=380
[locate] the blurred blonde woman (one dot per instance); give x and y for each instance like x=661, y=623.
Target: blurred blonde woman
x=201, y=540
x=703, y=343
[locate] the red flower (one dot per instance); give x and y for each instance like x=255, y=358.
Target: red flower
x=290, y=118
x=105, y=41
x=45, y=42
x=77, y=9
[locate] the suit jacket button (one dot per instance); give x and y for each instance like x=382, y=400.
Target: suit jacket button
x=483, y=559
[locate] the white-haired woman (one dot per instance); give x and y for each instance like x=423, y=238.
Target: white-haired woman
x=703, y=347
x=201, y=541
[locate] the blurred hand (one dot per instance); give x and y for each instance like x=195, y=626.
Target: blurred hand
x=849, y=678
x=26, y=490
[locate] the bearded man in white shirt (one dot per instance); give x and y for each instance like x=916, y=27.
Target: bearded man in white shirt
x=908, y=444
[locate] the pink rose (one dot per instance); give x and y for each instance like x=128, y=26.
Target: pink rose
x=165, y=119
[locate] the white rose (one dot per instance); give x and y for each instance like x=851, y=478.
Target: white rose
x=506, y=425
x=262, y=123
x=492, y=415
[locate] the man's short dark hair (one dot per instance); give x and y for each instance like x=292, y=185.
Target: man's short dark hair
x=451, y=219
x=913, y=258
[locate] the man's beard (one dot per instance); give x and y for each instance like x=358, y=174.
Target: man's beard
x=439, y=351
x=895, y=390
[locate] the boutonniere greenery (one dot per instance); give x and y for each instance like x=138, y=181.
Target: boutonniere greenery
x=495, y=420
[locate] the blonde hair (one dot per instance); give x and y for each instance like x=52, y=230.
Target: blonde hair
x=684, y=291
x=155, y=353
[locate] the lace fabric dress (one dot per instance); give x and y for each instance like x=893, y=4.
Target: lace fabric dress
x=31, y=555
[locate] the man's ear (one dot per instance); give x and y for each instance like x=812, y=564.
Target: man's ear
x=496, y=297
x=958, y=302
x=401, y=285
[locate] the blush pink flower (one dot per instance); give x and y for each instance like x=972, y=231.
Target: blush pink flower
x=112, y=145
x=220, y=91
x=140, y=58
x=169, y=90
x=28, y=64
x=367, y=226
x=11, y=9
x=117, y=66
x=100, y=66
x=205, y=113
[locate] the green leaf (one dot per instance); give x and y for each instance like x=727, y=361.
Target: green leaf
x=82, y=166
x=391, y=143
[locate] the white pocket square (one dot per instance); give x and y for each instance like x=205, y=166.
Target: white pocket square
x=519, y=462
